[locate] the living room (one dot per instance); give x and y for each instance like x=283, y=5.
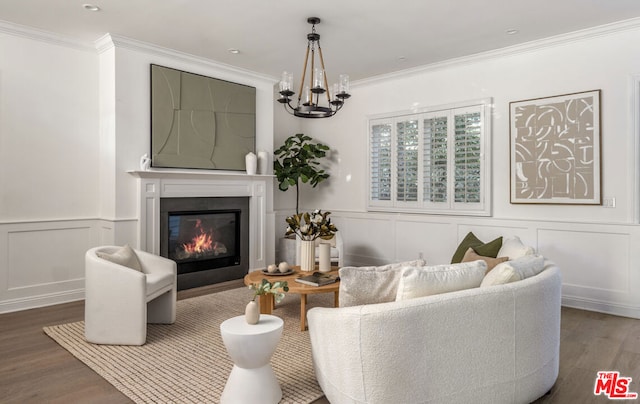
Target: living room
x=74, y=122
x=66, y=187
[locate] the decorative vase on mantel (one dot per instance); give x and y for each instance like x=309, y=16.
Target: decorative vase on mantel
x=307, y=255
x=252, y=312
x=251, y=163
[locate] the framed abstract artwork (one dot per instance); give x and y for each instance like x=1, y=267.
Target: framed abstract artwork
x=555, y=149
x=199, y=121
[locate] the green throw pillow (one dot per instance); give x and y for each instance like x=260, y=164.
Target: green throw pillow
x=489, y=249
x=470, y=240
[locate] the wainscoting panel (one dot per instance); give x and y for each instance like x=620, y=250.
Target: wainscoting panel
x=47, y=256
x=42, y=263
x=600, y=260
x=416, y=239
x=368, y=240
x=599, y=266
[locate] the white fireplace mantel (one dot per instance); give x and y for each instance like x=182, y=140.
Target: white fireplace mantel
x=156, y=184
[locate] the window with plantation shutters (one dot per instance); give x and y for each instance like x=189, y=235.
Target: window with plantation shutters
x=432, y=161
x=407, y=161
x=435, y=165
x=380, y=162
x=467, y=157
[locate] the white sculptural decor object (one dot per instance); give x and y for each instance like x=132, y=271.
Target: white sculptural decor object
x=145, y=162
x=251, y=163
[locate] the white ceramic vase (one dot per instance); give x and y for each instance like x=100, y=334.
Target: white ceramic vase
x=263, y=162
x=251, y=163
x=307, y=255
x=324, y=257
x=252, y=312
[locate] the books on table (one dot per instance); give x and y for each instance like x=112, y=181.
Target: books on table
x=318, y=279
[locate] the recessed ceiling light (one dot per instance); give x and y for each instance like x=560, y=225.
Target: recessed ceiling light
x=91, y=7
x=233, y=50
x=402, y=59
x=512, y=31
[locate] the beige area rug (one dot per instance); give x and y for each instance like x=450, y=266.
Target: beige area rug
x=186, y=362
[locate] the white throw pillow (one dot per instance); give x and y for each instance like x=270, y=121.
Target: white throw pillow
x=433, y=280
x=124, y=256
x=513, y=248
x=367, y=285
x=499, y=275
x=515, y=270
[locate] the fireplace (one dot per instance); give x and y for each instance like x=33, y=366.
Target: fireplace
x=208, y=238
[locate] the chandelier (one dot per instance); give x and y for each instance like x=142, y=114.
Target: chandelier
x=310, y=94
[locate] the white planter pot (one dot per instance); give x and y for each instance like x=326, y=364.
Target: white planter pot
x=307, y=255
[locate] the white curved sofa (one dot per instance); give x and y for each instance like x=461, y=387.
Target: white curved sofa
x=497, y=344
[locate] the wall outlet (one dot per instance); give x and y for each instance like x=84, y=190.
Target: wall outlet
x=609, y=203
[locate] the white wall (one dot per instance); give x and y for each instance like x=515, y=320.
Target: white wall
x=592, y=244
x=74, y=118
x=49, y=190
x=48, y=130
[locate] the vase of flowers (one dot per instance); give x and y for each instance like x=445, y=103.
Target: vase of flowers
x=307, y=255
x=264, y=288
x=308, y=227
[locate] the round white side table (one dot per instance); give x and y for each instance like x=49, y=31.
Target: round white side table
x=250, y=347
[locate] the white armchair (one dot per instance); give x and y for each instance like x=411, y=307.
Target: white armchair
x=337, y=249
x=120, y=301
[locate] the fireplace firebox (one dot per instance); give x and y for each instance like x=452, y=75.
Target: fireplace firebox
x=208, y=238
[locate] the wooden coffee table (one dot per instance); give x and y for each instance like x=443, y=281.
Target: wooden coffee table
x=267, y=302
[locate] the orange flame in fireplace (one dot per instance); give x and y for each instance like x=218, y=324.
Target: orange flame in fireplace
x=203, y=242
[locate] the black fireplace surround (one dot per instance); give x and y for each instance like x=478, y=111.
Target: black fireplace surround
x=207, y=237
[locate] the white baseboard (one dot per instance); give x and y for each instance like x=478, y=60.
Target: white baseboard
x=601, y=307
x=31, y=302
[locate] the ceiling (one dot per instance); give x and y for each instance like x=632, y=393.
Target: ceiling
x=362, y=38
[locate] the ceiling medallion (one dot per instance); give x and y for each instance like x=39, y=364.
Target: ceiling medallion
x=309, y=95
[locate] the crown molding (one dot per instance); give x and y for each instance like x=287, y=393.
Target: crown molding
x=109, y=41
x=527, y=47
x=43, y=36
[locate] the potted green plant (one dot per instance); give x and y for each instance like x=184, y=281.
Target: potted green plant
x=298, y=159
x=277, y=289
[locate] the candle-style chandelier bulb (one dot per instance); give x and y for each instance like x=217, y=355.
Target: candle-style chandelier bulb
x=286, y=84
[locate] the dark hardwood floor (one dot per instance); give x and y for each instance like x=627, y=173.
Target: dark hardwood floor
x=34, y=369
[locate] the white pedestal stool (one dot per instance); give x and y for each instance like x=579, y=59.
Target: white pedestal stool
x=250, y=347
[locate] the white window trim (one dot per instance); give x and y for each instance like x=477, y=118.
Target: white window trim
x=450, y=208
